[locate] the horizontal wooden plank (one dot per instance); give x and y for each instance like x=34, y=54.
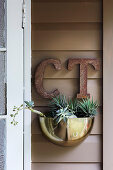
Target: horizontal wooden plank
x=88, y=151
x=79, y=39
x=66, y=26
x=67, y=12
x=68, y=87
x=97, y=128
x=67, y=1
x=66, y=166
x=50, y=72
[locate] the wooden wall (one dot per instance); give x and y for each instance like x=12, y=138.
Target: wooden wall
x=63, y=29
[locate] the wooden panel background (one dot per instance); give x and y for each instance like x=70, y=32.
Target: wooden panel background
x=67, y=39
x=66, y=12
x=68, y=166
x=64, y=29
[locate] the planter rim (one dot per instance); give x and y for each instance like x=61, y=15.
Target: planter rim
x=71, y=117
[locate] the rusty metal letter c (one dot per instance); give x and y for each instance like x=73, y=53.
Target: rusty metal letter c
x=39, y=75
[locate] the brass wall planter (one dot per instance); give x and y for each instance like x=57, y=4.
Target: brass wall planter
x=69, y=133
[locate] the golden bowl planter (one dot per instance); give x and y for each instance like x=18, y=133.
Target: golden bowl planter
x=69, y=133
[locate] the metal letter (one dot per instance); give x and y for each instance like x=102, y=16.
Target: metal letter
x=39, y=75
x=83, y=72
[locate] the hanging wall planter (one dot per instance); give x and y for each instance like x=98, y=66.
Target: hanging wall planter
x=69, y=133
x=68, y=122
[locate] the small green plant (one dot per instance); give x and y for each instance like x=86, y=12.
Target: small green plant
x=28, y=105
x=61, y=108
x=87, y=107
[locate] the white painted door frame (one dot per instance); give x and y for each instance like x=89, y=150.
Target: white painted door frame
x=27, y=84
x=18, y=85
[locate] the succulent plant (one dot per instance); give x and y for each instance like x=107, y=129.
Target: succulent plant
x=28, y=105
x=62, y=108
x=87, y=107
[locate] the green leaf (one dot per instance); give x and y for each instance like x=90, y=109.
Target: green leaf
x=29, y=103
x=11, y=115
